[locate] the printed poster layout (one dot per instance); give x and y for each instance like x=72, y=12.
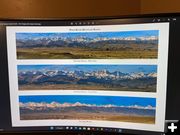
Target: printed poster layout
x=88, y=75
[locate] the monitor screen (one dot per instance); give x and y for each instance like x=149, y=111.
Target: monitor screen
x=107, y=74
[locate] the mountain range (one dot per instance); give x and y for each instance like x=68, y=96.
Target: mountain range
x=43, y=105
x=85, y=42
x=85, y=108
x=137, y=80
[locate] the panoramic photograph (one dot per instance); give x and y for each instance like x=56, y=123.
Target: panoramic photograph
x=135, y=78
x=86, y=107
x=88, y=45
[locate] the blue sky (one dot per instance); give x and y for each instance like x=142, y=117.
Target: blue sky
x=143, y=33
x=89, y=68
x=98, y=100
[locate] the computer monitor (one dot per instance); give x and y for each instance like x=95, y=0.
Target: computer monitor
x=109, y=74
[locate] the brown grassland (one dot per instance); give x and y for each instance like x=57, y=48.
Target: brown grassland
x=82, y=53
x=81, y=87
x=89, y=116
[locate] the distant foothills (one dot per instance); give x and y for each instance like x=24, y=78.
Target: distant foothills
x=80, y=107
x=77, y=46
x=87, y=80
x=55, y=105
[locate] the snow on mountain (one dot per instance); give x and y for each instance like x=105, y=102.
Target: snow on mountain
x=152, y=75
x=142, y=107
x=55, y=40
x=137, y=75
x=43, y=105
x=98, y=74
x=51, y=72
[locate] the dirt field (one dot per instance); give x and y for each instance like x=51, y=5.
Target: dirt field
x=80, y=87
x=89, y=116
x=80, y=53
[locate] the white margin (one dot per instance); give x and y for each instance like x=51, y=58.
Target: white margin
x=161, y=75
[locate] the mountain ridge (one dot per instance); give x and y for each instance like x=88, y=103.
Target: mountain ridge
x=85, y=42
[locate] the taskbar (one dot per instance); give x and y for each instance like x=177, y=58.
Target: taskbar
x=79, y=129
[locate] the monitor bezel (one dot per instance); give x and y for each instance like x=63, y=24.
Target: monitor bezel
x=82, y=19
